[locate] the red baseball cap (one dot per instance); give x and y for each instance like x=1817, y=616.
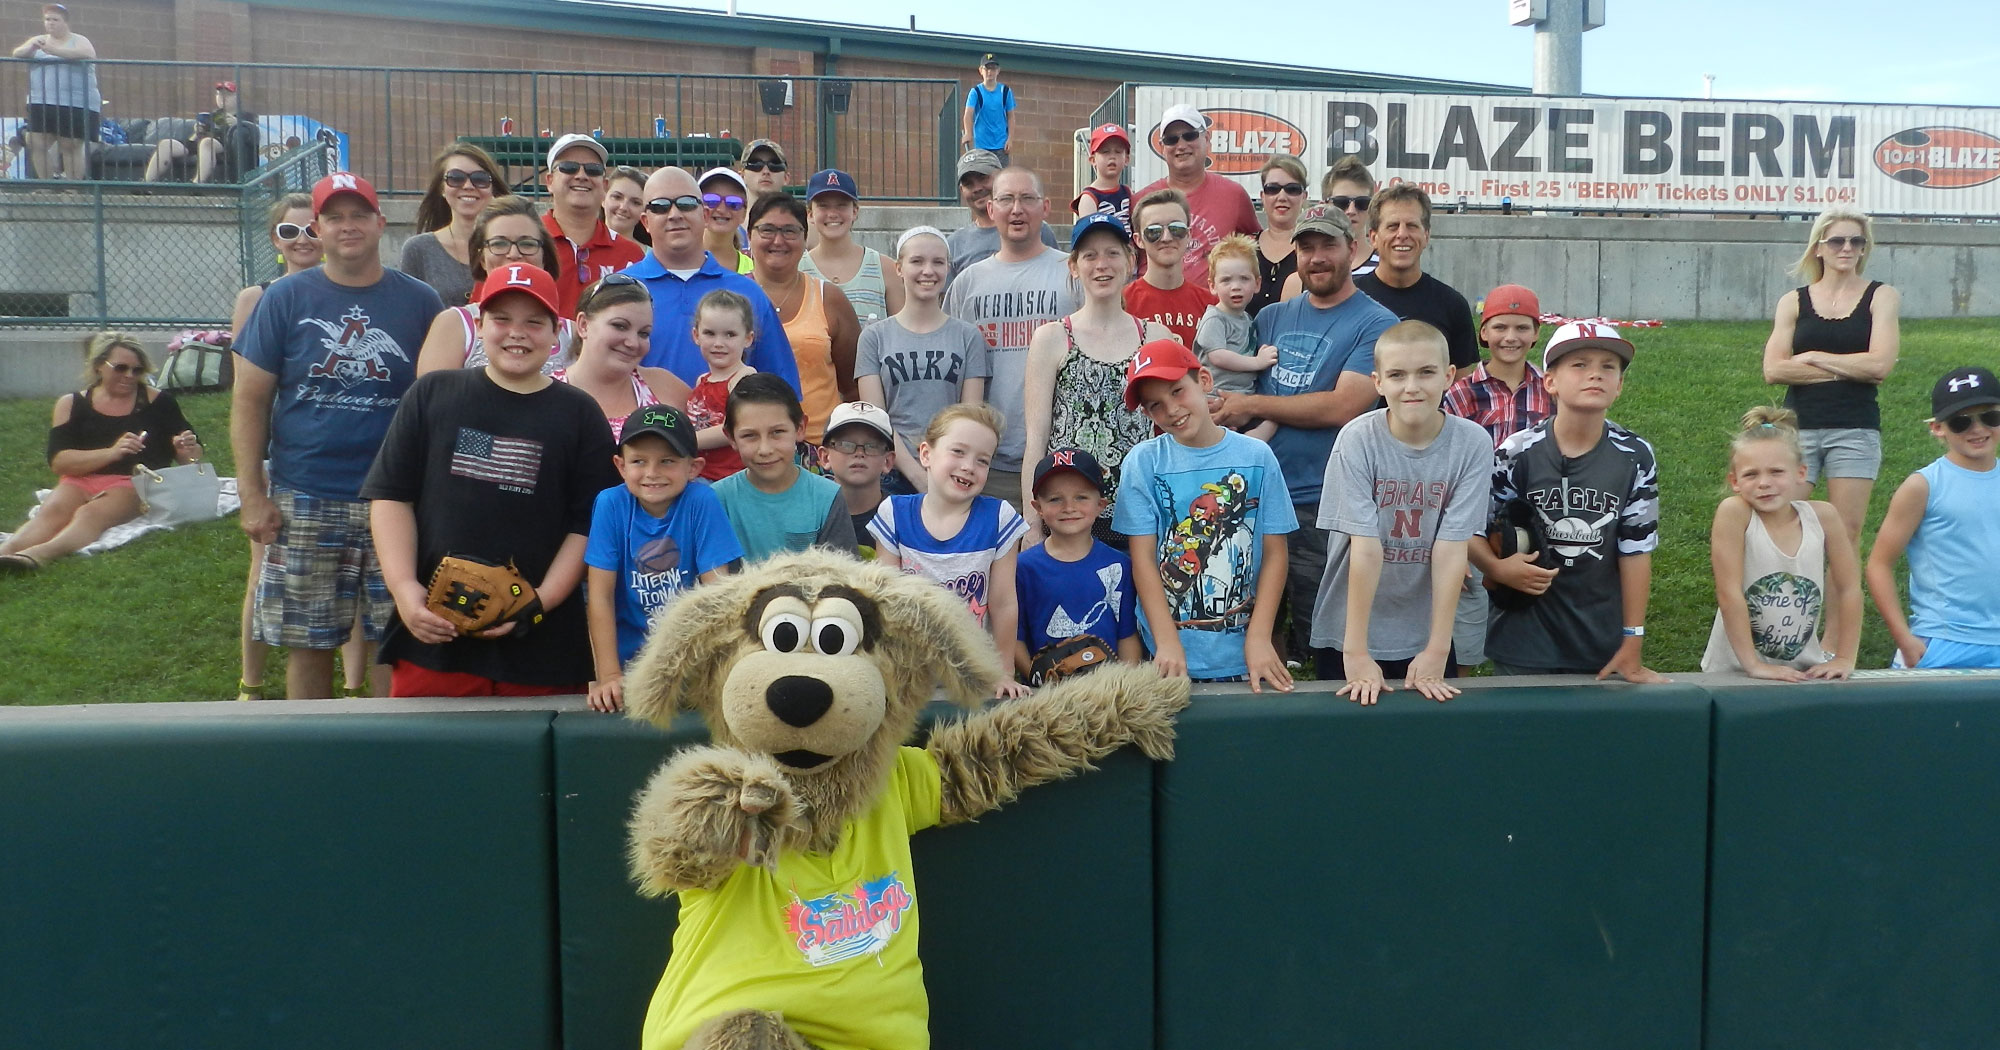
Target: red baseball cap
x=1106, y=132
x=343, y=182
x=521, y=277
x=1160, y=359
x=1511, y=299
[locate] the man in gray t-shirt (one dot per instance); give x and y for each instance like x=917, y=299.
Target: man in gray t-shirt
x=920, y=373
x=1409, y=499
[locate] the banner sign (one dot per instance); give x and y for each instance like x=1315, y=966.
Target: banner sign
x=1644, y=155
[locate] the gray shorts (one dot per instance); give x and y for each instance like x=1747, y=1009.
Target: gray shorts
x=1850, y=452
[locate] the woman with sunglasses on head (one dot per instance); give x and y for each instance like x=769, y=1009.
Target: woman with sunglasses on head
x=818, y=321
x=1283, y=186
x=1076, y=367
x=509, y=230
x=464, y=179
x=97, y=438
x=831, y=207
x=725, y=201
x=614, y=331
x=625, y=201
x=1832, y=343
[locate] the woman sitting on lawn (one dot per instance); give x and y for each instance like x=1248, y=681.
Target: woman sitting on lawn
x=97, y=437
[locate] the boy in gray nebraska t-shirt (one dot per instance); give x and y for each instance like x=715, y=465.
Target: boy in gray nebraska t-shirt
x=1405, y=489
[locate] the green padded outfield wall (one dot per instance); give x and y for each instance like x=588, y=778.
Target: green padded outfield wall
x=267, y=882
x=1037, y=920
x=1855, y=902
x=1518, y=869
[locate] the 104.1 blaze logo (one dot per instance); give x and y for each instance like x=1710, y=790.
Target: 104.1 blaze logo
x=1940, y=158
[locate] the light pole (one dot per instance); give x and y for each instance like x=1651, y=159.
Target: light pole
x=1559, y=28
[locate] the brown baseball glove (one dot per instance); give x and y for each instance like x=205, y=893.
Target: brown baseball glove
x=475, y=594
x=1075, y=655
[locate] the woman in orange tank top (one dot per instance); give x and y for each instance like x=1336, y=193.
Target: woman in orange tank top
x=818, y=319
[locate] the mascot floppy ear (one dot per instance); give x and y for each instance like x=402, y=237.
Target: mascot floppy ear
x=682, y=662
x=930, y=638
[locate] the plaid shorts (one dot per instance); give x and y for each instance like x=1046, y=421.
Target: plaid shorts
x=319, y=573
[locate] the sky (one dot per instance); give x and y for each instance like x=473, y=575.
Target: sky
x=1943, y=52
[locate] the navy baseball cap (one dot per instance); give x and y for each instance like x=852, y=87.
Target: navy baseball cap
x=1074, y=460
x=831, y=180
x=662, y=421
x=1097, y=220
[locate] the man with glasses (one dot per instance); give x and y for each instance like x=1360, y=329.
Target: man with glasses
x=585, y=246
x=678, y=272
x=978, y=242
x=1323, y=379
x=1399, y=226
x=321, y=366
x=1217, y=207
x=1025, y=285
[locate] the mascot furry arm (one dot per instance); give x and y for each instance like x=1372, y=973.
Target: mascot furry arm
x=811, y=671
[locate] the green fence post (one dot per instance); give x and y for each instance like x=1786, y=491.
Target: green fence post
x=103, y=289
x=389, y=127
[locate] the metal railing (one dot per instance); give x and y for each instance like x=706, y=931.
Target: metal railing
x=895, y=136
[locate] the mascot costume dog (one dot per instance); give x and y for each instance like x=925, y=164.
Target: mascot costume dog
x=788, y=838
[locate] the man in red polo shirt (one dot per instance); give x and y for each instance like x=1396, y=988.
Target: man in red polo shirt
x=575, y=220
x=1217, y=206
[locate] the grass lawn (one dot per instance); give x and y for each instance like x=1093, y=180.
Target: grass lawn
x=156, y=620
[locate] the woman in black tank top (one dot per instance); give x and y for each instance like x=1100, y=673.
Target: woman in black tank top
x=1832, y=343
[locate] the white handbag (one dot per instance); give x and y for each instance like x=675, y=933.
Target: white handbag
x=184, y=493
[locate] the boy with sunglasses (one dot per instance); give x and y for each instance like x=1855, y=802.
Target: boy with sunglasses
x=1217, y=206
x=764, y=168
x=1945, y=515
x=586, y=248
x=1164, y=293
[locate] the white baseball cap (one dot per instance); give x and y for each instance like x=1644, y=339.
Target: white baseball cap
x=863, y=413
x=1183, y=114
x=1585, y=335
x=578, y=139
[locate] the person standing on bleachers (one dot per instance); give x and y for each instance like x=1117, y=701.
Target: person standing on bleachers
x=64, y=106
x=577, y=179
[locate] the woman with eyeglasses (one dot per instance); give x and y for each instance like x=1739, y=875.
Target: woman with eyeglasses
x=625, y=201
x=1076, y=368
x=509, y=230
x=1349, y=186
x=818, y=321
x=1283, y=183
x=97, y=438
x=464, y=179
x=725, y=200
x=614, y=332
x=1832, y=343
x=832, y=206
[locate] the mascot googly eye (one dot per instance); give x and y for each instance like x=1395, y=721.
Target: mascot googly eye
x=787, y=837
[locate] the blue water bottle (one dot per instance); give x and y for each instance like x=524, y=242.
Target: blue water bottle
x=659, y=127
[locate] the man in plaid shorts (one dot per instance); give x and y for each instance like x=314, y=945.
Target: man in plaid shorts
x=321, y=366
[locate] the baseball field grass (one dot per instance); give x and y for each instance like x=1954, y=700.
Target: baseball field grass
x=156, y=620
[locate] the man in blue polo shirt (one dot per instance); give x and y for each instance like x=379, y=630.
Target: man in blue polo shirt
x=678, y=273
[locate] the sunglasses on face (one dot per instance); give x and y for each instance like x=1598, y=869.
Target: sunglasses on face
x=1841, y=244
x=1344, y=203
x=857, y=448
x=479, y=179
x=1289, y=189
x=1175, y=140
x=1156, y=232
x=720, y=200
x=776, y=167
x=132, y=370
x=663, y=205
x=515, y=245
x=1962, y=422
x=571, y=167
x=292, y=231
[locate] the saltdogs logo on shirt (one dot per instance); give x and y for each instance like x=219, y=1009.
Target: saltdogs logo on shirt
x=1940, y=158
x=1240, y=140
x=841, y=926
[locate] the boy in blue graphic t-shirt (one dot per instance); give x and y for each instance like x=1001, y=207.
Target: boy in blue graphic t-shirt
x=1078, y=610
x=1208, y=512
x=652, y=538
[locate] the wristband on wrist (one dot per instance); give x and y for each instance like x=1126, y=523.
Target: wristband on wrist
x=1635, y=632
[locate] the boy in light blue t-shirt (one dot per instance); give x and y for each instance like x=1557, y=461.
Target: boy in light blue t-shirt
x=651, y=539
x=1212, y=508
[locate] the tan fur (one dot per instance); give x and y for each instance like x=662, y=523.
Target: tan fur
x=747, y=1030
x=987, y=758
x=707, y=811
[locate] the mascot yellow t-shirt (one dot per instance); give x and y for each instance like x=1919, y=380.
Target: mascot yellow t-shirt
x=829, y=940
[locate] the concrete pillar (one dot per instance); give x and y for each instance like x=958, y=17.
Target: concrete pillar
x=1559, y=49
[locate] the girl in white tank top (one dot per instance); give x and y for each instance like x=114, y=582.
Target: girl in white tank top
x=1774, y=607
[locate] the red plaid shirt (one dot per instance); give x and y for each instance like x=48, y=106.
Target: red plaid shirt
x=1488, y=402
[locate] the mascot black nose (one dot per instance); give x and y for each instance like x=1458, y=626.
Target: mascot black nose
x=798, y=700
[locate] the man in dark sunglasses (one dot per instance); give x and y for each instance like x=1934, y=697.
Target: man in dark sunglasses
x=765, y=170
x=1217, y=207
x=678, y=272
x=586, y=248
